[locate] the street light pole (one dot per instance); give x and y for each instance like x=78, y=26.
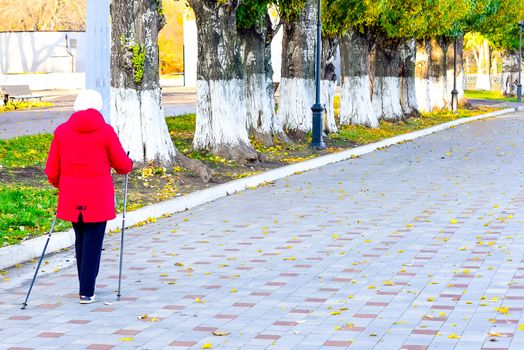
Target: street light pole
x=454, y=92
x=316, y=141
x=519, y=86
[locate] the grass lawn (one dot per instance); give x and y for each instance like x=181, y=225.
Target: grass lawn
x=28, y=202
x=488, y=95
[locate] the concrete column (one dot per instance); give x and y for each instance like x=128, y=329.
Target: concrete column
x=98, y=33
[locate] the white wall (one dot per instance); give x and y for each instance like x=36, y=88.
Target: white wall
x=41, y=52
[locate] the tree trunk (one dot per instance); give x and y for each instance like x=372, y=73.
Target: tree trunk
x=484, y=66
x=431, y=73
x=386, y=83
x=355, y=98
x=329, y=83
x=422, y=76
x=260, y=93
x=510, y=72
x=408, y=98
x=297, y=85
x=221, y=125
x=136, y=109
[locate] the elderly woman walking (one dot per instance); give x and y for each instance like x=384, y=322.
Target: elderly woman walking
x=83, y=151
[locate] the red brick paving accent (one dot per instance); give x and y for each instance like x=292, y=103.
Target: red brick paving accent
x=205, y=329
x=376, y=303
x=276, y=284
x=131, y=332
x=129, y=299
x=352, y=328
x=226, y=317
x=365, y=316
x=213, y=286
x=100, y=347
x=48, y=306
x=182, y=343
x=386, y=293
x=328, y=289
x=174, y=307
x=244, y=304
x=149, y=289
x=506, y=321
x=193, y=296
x=261, y=294
x=315, y=300
x=50, y=335
x=424, y=331
x=513, y=297
x=137, y=268
x=71, y=296
x=339, y=343
x=299, y=311
x=442, y=307
x=437, y=319
x=19, y=318
x=104, y=309
x=285, y=323
x=267, y=337
x=303, y=266
x=414, y=347
x=341, y=280
x=289, y=274
x=78, y=321
x=352, y=270
x=458, y=285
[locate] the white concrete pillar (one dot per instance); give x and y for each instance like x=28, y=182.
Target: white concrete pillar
x=98, y=33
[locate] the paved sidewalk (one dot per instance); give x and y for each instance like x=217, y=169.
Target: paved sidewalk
x=418, y=246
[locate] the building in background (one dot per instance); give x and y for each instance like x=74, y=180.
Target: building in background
x=43, y=60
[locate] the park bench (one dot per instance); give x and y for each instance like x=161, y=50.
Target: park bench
x=17, y=93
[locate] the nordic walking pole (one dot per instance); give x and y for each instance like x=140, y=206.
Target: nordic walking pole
x=24, y=305
x=122, y=237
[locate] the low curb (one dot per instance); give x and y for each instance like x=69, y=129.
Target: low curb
x=30, y=249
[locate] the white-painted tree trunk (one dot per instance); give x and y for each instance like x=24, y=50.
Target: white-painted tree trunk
x=408, y=99
x=138, y=119
x=221, y=127
x=327, y=99
x=355, y=96
x=386, y=98
x=135, y=102
x=510, y=75
x=297, y=98
x=355, y=102
x=484, y=67
x=259, y=107
x=297, y=84
x=422, y=83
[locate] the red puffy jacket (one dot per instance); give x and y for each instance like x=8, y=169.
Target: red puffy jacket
x=79, y=164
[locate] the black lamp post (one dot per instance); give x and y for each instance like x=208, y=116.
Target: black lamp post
x=454, y=92
x=316, y=141
x=519, y=86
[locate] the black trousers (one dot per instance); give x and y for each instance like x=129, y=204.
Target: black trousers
x=88, y=245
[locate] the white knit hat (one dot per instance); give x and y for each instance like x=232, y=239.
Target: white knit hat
x=87, y=99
